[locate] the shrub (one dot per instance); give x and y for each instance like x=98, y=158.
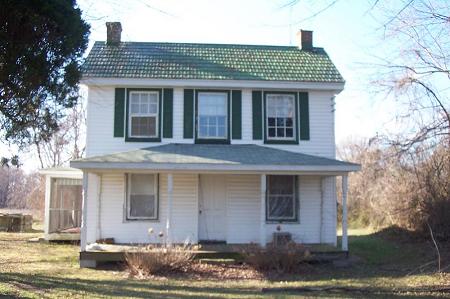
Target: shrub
x=284, y=258
x=157, y=259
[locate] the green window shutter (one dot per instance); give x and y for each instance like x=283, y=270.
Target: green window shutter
x=119, y=112
x=236, y=114
x=304, y=115
x=257, y=114
x=188, y=128
x=168, y=113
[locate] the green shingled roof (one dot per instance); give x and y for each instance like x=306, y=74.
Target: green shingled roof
x=209, y=62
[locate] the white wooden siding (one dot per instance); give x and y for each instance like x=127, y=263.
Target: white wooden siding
x=100, y=124
x=243, y=208
x=114, y=225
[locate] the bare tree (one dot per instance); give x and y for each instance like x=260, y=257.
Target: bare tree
x=68, y=142
x=417, y=71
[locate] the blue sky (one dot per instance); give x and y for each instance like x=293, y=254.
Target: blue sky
x=347, y=31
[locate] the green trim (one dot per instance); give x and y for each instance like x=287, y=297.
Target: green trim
x=296, y=204
x=257, y=114
x=304, y=115
x=188, y=114
x=273, y=141
x=119, y=112
x=139, y=139
x=236, y=114
x=207, y=140
x=168, y=113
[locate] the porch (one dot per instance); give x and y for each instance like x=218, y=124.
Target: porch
x=228, y=183
x=99, y=253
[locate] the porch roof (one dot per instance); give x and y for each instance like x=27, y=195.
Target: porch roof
x=214, y=158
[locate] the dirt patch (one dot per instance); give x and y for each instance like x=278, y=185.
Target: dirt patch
x=227, y=271
x=27, y=287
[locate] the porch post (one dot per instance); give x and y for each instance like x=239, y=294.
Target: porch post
x=83, y=236
x=48, y=194
x=344, y=213
x=262, y=237
x=169, y=206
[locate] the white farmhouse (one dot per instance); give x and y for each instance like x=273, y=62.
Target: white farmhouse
x=210, y=143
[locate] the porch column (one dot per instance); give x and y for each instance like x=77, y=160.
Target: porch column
x=169, y=206
x=48, y=194
x=262, y=237
x=83, y=235
x=344, y=213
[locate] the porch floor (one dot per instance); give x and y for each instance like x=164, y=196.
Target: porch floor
x=102, y=253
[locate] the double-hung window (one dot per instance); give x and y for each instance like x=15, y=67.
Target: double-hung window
x=143, y=115
x=142, y=196
x=281, y=199
x=280, y=117
x=212, y=115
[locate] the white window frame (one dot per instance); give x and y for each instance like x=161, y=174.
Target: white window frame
x=294, y=118
x=131, y=115
x=128, y=205
x=226, y=115
x=294, y=202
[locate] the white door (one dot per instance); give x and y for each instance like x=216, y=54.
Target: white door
x=212, y=208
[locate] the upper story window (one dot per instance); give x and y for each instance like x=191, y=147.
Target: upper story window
x=212, y=115
x=281, y=199
x=144, y=113
x=280, y=117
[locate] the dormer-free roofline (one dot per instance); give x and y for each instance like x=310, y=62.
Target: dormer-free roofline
x=191, y=83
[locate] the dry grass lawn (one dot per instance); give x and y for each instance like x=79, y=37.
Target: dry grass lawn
x=386, y=269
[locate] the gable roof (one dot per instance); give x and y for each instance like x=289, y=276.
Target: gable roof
x=235, y=157
x=209, y=62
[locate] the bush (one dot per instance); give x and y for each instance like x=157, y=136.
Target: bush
x=283, y=258
x=157, y=259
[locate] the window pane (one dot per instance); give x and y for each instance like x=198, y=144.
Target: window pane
x=221, y=132
x=211, y=132
x=280, y=114
x=212, y=115
x=203, y=120
x=142, y=206
x=280, y=132
x=289, y=133
x=142, y=184
x=153, y=108
x=272, y=132
x=289, y=122
x=203, y=131
x=221, y=120
x=280, y=122
x=281, y=207
x=281, y=184
x=134, y=126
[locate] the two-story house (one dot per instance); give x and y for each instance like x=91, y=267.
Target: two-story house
x=210, y=142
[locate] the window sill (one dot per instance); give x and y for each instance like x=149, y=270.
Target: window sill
x=280, y=141
x=212, y=141
x=140, y=220
x=282, y=222
x=142, y=139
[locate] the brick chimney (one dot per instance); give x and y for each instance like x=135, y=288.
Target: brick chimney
x=305, y=39
x=113, y=33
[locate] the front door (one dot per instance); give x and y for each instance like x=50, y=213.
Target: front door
x=212, y=208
